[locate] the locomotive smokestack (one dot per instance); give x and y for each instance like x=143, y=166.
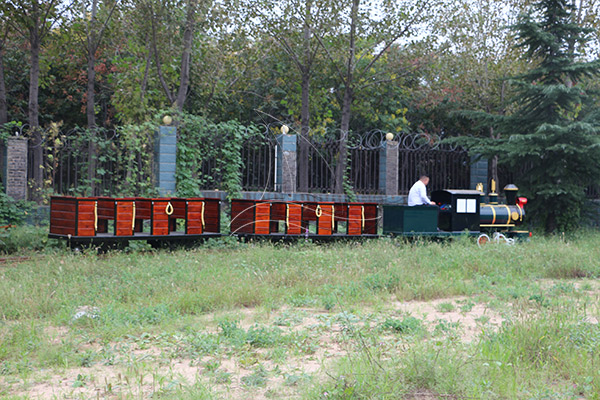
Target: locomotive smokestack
x=510, y=191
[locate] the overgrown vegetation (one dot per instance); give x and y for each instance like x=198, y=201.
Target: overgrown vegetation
x=276, y=308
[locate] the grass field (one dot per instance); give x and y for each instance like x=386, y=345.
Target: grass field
x=379, y=319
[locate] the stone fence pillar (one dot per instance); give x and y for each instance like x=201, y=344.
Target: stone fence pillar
x=165, y=151
x=285, y=164
x=15, y=174
x=388, y=168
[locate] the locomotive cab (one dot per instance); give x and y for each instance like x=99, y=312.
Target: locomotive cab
x=459, y=209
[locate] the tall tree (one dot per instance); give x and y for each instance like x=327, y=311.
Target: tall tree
x=555, y=131
x=366, y=31
x=33, y=20
x=157, y=12
x=294, y=28
x=3, y=100
x=94, y=27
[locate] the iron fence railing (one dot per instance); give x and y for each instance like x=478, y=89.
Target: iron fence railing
x=122, y=163
x=447, y=166
x=258, y=158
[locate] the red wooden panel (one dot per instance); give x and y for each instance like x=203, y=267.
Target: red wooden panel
x=178, y=208
x=124, y=222
x=63, y=206
x=143, y=208
x=341, y=211
x=62, y=231
x=325, y=220
x=63, y=215
x=370, y=219
x=160, y=218
x=195, y=217
x=262, y=219
x=86, y=218
x=294, y=219
x=355, y=219
x=309, y=211
x=106, y=208
x=242, y=216
x=278, y=210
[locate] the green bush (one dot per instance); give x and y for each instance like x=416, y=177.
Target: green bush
x=18, y=239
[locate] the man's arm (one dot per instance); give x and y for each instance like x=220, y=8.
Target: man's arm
x=423, y=195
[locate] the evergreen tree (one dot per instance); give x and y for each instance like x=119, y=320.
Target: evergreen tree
x=552, y=137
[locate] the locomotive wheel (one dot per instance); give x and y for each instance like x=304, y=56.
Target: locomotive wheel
x=482, y=240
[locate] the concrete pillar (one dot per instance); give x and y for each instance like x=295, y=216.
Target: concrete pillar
x=16, y=168
x=388, y=168
x=479, y=173
x=165, y=152
x=286, y=167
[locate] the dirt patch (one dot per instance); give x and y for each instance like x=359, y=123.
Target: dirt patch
x=321, y=338
x=459, y=311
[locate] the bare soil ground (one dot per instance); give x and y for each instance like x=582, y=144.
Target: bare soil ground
x=140, y=371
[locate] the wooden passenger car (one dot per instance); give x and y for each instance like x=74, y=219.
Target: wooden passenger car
x=281, y=219
x=101, y=220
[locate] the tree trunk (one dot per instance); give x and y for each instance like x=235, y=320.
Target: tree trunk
x=305, y=107
x=304, y=130
x=340, y=167
x=342, y=160
x=91, y=121
x=188, y=34
x=33, y=111
x=3, y=102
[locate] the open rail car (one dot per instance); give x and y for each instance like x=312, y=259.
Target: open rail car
x=116, y=221
x=108, y=221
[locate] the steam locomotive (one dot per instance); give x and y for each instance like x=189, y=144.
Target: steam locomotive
x=106, y=221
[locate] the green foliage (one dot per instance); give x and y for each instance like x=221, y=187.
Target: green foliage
x=202, y=141
x=553, y=135
x=23, y=239
x=408, y=325
x=12, y=212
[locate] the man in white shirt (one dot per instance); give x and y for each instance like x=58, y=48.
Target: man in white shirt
x=418, y=193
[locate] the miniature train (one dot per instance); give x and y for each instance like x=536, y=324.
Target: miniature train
x=110, y=221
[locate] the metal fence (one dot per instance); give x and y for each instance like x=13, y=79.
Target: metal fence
x=258, y=158
x=258, y=163
x=363, y=159
x=124, y=164
x=66, y=156
x=448, y=166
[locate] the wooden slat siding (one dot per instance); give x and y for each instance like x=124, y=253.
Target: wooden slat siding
x=143, y=208
x=294, y=226
x=370, y=219
x=309, y=211
x=242, y=216
x=212, y=215
x=160, y=219
x=85, y=218
x=106, y=212
x=143, y=212
x=194, y=217
x=124, y=219
x=62, y=215
x=324, y=223
x=277, y=214
x=262, y=218
x=355, y=219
